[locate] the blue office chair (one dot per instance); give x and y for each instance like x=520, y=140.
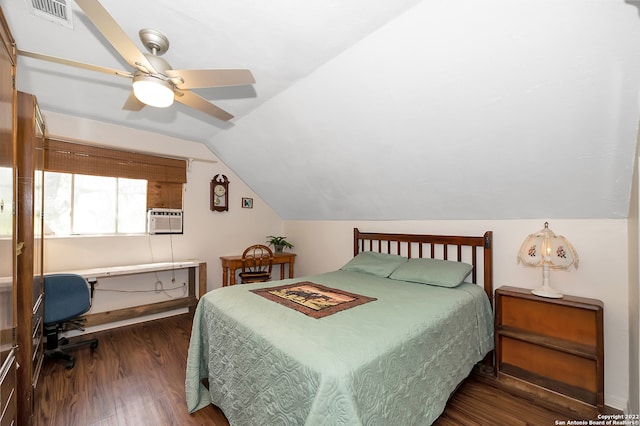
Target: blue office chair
x=66, y=297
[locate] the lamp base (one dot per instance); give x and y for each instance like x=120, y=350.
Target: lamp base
x=546, y=291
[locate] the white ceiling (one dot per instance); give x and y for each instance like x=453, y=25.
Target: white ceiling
x=404, y=109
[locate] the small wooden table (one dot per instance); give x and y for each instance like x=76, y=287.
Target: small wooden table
x=231, y=263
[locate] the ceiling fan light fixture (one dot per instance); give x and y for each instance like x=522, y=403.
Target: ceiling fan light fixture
x=153, y=91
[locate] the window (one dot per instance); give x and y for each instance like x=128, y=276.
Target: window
x=95, y=190
x=82, y=204
x=6, y=204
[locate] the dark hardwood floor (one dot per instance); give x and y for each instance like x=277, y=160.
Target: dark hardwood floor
x=136, y=377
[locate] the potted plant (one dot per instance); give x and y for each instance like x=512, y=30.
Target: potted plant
x=279, y=243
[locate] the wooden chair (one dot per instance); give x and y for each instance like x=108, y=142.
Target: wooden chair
x=257, y=262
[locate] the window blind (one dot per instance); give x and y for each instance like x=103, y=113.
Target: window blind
x=164, y=176
x=69, y=157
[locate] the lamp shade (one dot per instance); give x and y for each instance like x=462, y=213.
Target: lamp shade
x=547, y=250
x=153, y=91
x=545, y=246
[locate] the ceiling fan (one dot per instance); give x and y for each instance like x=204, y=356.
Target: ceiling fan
x=155, y=83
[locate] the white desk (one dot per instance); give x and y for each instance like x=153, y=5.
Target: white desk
x=114, y=271
x=190, y=301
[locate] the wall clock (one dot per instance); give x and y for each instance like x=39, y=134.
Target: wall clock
x=220, y=193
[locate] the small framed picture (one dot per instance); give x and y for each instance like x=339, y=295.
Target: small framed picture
x=247, y=203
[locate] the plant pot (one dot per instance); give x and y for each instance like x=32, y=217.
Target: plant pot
x=279, y=248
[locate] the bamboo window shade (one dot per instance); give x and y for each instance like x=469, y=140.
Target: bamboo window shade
x=68, y=157
x=165, y=176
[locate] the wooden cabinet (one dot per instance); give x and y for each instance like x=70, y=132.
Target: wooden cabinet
x=8, y=395
x=553, y=348
x=30, y=283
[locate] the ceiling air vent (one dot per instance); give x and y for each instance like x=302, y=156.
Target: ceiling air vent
x=52, y=10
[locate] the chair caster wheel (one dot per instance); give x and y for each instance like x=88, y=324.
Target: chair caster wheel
x=70, y=364
x=93, y=345
x=63, y=341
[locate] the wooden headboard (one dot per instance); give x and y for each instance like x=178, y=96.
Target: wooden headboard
x=458, y=248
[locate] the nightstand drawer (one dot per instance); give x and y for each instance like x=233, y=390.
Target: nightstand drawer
x=559, y=371
x=552, y=320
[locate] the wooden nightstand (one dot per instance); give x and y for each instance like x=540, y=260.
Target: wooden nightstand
x=553, y=348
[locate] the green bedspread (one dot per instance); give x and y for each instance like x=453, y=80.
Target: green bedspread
x=392, y=361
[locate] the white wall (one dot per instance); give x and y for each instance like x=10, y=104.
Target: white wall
x=602, y=273
x=634, y=295
x=543, y=120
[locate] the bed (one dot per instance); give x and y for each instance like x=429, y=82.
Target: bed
x=411, y=333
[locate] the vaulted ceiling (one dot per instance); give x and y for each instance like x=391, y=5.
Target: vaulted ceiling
x=404, y=109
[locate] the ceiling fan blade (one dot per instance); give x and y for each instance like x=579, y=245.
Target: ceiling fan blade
x=192, y=100
x=132, y=103
x=192, y=79
x=74, y=63
x=114, y=34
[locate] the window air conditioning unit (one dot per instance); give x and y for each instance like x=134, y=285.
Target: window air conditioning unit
x=164, y=221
